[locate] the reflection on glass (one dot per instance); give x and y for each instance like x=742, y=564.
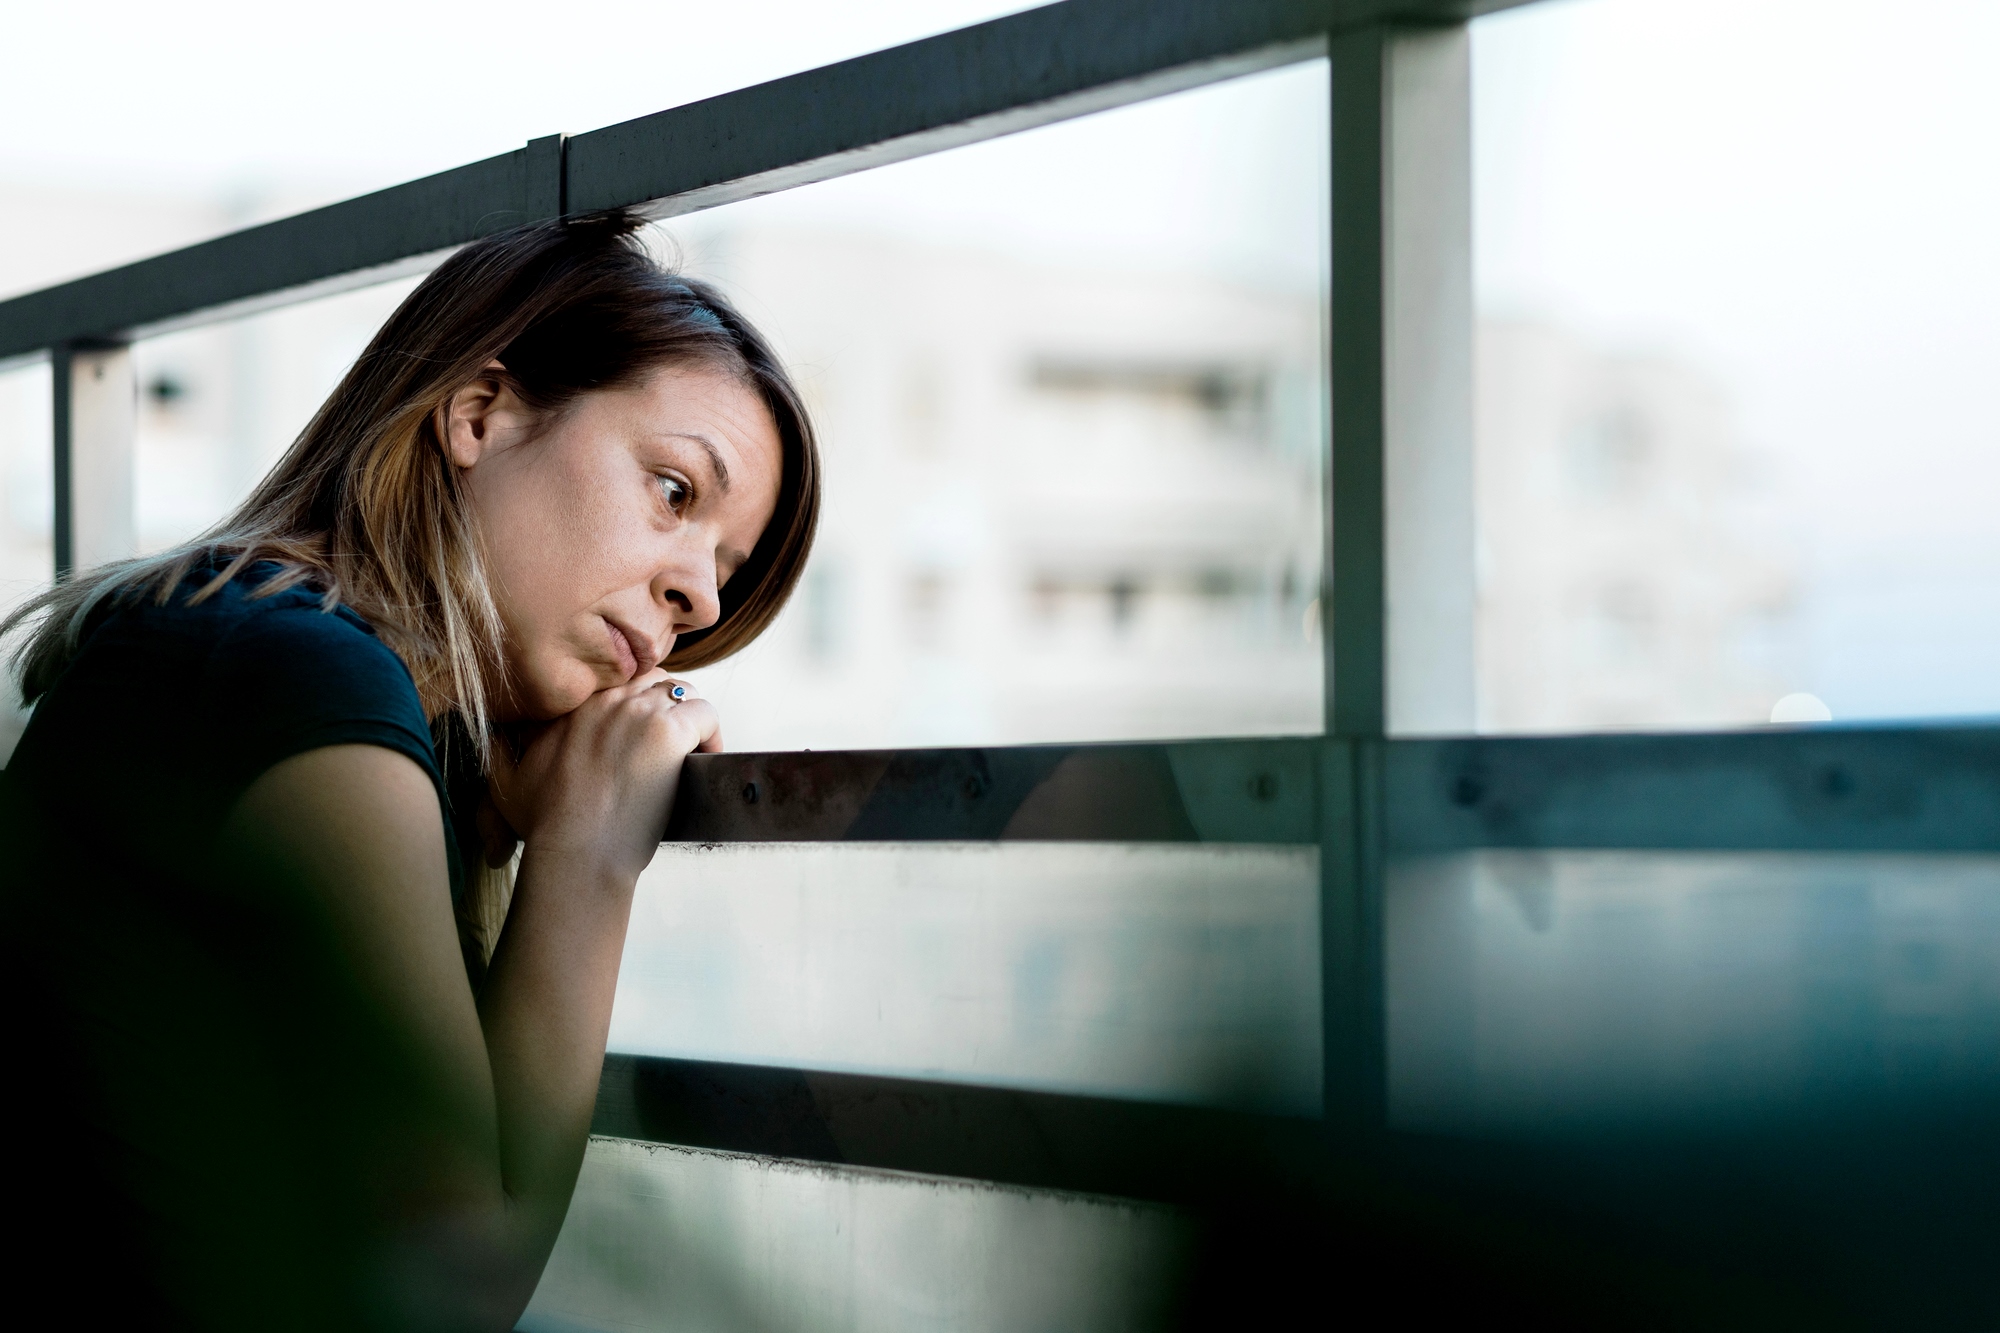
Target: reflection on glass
x=1538, y=991
x=1738, y=321
x=1168, y=973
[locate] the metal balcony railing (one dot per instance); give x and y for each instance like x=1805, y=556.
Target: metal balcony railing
x=1399, y=371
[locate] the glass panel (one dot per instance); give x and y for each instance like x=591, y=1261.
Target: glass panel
x=1739, y=313
x=1071, y=394
x=27, y=503
x=674, y=1238
x=1168, y=973
x=219, y=405
x=27, y=434
x=1530, y=992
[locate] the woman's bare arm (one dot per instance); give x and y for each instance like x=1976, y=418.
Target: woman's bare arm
x=512, y=1077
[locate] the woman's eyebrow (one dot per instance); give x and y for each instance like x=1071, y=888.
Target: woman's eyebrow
x=714, y=455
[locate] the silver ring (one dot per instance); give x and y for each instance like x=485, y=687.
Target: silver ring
x=677, y=692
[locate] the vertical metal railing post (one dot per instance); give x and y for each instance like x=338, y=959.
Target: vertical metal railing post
x=62, y=536
x=548, y=177
x=1399, y=593
x=96, y=421
x=1356, y=593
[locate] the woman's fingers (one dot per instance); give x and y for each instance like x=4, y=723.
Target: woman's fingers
x=711, y=738
x=679, y=727
x=638, y=685
x=703, y=723
x=598, y=779
x=684, y=692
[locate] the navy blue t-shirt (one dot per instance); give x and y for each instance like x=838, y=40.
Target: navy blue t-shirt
x=183, y=706
x=238, y=1119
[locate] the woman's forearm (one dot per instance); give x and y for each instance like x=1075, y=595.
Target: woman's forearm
x=546, y=1010
x=589, y=795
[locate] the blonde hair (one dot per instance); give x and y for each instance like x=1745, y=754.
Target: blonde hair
x=367, y=509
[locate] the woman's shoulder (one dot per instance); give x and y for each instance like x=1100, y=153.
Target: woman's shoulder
x=244, y=629
x=247, y=615
x=249, y=673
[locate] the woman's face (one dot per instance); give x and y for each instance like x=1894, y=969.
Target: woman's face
x=612, y=531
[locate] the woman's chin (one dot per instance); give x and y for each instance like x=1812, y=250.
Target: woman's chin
x=561, y=692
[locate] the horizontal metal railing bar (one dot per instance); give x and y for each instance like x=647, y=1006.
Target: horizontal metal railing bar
x=1042, y=1140
x=351, y=243
x=1923, y=788
x=958, y=87
x=975, y=83
x=1892, y=789
x=1217, y=791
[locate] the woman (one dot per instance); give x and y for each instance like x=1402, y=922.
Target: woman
x=299, y=1074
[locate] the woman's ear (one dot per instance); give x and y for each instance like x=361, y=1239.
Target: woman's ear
x=483, y=415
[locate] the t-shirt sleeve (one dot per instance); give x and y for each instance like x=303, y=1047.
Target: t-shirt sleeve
x=293, y=679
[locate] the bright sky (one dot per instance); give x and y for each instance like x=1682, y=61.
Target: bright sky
x=213, y=92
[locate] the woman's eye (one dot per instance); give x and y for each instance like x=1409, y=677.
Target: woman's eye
x=676, y=493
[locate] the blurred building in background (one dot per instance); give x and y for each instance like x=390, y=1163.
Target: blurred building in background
x=1628, y=573
x=1060, y=503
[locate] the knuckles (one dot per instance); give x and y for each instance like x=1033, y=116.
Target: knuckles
x=606, y=730
x=620, y=741
x=681, y=726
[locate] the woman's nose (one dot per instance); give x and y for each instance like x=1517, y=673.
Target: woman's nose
x=692, y=598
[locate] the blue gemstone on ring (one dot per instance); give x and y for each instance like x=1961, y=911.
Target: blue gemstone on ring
x=679, y=692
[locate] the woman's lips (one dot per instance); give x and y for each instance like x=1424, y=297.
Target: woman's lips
x=621, y=646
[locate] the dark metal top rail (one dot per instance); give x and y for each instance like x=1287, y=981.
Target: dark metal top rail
x=993, y=78
x=1900, y=789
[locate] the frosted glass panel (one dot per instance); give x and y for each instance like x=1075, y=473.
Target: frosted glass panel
x=1169, y=973
x=678, y=1239
x=1540, y=991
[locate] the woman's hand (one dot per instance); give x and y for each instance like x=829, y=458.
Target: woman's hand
x=589, y=794
x=597, y=783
